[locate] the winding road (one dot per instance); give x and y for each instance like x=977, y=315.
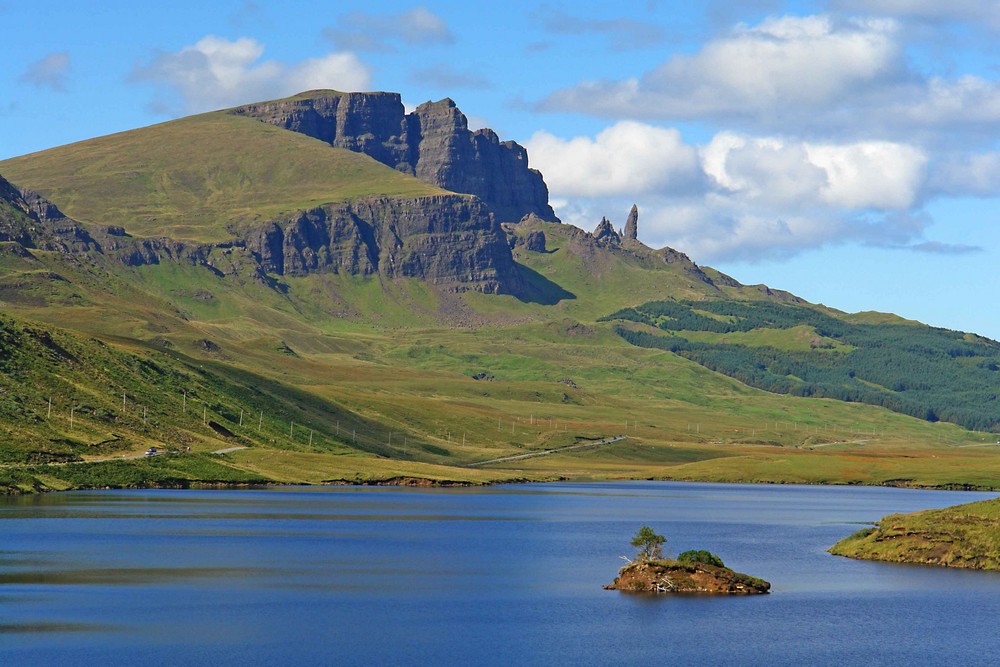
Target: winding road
x=546, y=452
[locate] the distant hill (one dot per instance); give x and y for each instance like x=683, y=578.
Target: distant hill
x=929, y=373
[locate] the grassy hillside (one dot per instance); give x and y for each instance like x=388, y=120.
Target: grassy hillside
x=191, y=178
x=512, y=377
x=933, y=374
x=370, y=378
x=963, y=536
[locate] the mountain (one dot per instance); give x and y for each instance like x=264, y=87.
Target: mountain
x=279, y=201
x=382, y=326
x=433, y=143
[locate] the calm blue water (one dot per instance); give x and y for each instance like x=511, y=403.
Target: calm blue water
x=502, y=575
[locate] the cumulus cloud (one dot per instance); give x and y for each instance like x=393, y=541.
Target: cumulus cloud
x=628, y=157
x=777, y=172
x=622, y=34
x=787, y=62
x=216, y=73
x=362, y=31
x=50, y=72
x=739, y=196
x=809, y=75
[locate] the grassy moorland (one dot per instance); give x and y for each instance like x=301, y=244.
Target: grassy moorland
x=965, y=536
x=184, y=180
x=332, y=378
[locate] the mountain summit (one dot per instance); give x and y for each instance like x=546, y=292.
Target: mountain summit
x=433, y=143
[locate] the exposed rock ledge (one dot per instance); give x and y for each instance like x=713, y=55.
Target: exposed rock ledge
x=671, y=576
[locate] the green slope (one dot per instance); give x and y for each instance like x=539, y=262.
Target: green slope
x=934, y=374
x=965, y=536
x=191, y=178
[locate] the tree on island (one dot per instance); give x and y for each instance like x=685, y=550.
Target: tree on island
x=650, y=544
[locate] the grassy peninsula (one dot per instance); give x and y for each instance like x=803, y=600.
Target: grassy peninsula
x=966, y=536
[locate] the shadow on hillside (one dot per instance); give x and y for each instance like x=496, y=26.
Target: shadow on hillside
x=539, y=289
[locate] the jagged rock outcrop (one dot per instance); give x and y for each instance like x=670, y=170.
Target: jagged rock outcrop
x=433, y=143
x=535, y=241
x=632, y=224
x=33, y=222
x=606, y=234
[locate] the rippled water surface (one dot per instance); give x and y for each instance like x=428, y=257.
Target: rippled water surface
x=502, y=575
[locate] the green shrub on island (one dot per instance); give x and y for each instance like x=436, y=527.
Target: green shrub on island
x=700, y=556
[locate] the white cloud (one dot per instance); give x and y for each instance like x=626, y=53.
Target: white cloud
x=764, y=170
x=871, y=174
x=812, y=75
x=51, y=71
x=783, y=63
x=627, y=157
x=798, y=175
x=738, y=196
x=362, y=31
x=216, y=73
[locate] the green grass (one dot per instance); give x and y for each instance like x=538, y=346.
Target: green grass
x=965, y=536
x=192, y=178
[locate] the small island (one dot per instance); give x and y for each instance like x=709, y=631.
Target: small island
x=696, y=571
x=966, y=536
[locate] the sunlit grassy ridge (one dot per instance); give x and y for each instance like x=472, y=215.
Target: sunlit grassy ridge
x=191, y=178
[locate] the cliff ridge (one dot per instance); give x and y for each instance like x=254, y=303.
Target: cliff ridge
x=432, y=143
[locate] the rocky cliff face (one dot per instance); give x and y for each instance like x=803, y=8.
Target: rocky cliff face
x=433, y=143
x=33, y=222
x=450, y=240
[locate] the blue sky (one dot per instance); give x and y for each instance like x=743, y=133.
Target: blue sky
x=845, y=150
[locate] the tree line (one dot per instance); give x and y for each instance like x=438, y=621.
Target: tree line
x=925, y=372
